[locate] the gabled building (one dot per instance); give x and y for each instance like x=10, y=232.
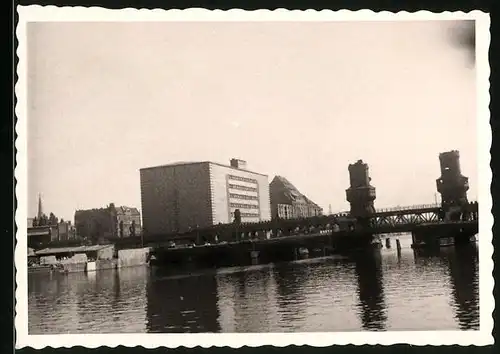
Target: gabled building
x=288, y=203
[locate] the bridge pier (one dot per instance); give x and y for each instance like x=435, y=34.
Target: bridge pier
x=254, y=255
x=398, y=247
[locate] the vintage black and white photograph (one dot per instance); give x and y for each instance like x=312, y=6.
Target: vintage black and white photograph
x=249, y=176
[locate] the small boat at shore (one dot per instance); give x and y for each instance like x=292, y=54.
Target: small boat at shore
x=39, y=269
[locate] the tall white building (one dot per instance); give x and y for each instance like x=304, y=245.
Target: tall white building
x=184, y=195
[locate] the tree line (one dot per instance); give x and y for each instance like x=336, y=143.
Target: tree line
x=45, y=220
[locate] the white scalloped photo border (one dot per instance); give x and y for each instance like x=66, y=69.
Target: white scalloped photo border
x=94, y=14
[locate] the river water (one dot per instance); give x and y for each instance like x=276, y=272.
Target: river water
x=376, y=291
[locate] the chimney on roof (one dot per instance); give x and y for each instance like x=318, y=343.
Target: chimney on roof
x=239, y=164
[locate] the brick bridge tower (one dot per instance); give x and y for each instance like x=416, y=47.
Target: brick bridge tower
x=452, y=185
x=361, y=193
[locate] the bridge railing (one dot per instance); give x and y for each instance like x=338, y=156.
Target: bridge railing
x=421, y=222
x=397, y=208
x=409, y=207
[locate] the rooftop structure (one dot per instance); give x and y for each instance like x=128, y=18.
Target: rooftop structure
x=79, y=249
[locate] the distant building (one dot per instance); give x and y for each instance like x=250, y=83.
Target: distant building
x=288, y=203
x=129, y=221
x=186, y=195
x=62, y=231
x=65, y=231
x=39, y=235
x=109, y=222
x=43, y=229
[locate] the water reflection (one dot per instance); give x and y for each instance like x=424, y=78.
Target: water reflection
x=461, y=266
x=252, y=310
x=291, y=300
x=374, y=291
x=371, y=306
x=185, y=303
x=88, y=303
x=464, y=268
x=246, y=297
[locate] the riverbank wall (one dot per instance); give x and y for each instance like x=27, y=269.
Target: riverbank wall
x=102, y=264
x=133, y=257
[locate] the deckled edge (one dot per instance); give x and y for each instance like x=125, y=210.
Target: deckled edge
x=485, y=177
x=251, y=339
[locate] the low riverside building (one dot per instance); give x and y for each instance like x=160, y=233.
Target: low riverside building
x=288, y=203
x=85, y=258
x=76, y=259
x=39, y=235
x=186, y=195
x=109, y=222
x=92, y=252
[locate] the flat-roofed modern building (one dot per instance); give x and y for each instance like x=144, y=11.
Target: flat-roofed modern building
x=185, y=195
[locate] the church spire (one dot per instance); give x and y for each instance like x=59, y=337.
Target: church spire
x=40, y=210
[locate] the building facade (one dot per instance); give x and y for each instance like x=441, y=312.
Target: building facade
x=288, y=203
x=65, y=231
x=183, y=196
x=109, y=222
x=128, y=221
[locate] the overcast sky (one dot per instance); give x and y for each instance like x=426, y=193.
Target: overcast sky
x=302, y=100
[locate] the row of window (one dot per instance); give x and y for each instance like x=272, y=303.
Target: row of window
x=243, y=196
x=244, y=206
x=248, y=215
x=242, y=188
x=290, y=211
x=242, y=179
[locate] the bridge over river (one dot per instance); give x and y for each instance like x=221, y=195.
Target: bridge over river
x=383, y=221
x=454, y=220
x=427, y=229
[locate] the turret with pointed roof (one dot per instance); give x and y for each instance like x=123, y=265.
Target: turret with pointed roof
x=40, y=209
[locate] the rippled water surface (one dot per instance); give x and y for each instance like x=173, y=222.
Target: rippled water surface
x=379, y=291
